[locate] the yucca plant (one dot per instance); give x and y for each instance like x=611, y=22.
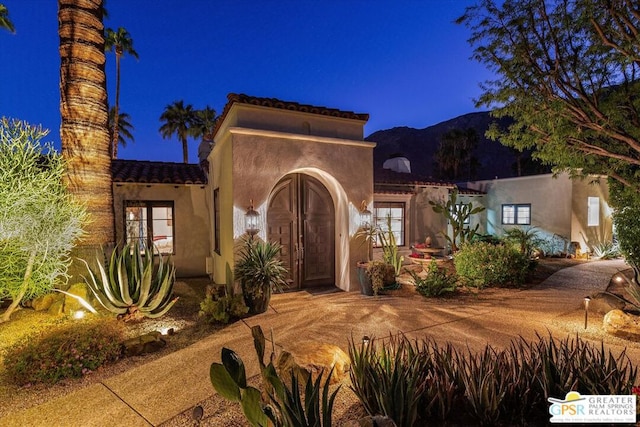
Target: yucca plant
x=260, y=272
x=132, y=285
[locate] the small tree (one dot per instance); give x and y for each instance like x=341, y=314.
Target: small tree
x=39, y=220
x=457, y=214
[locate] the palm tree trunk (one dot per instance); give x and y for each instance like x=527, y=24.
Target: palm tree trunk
x=116, y=116
x=83, y=108
x=185, y=151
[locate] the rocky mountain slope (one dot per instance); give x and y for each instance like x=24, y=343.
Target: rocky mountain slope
x=419, y=146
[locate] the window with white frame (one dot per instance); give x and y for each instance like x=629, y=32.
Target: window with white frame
x=516, y=214
x=593, y=211
x=150, y=223
x=385, y=213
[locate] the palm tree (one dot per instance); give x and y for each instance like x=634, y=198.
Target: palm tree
x=178, y=119
x=119, y=42
x=83, y=108
x=204, y=123
x=124, y=128
x=5, y=22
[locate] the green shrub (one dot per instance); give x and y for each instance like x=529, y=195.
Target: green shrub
x=525, y=239
x=482, y=264
x=626, y=217
x=418, y=382
x=66, y=351
x=436, y=283
x=223, y=309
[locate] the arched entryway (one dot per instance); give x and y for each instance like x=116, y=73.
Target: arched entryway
x=301, y=217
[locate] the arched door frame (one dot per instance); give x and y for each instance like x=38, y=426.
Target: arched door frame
x=341, y=210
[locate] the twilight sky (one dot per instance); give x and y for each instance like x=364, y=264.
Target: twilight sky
x=404, y=62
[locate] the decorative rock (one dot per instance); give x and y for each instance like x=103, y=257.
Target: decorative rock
x=603, y=303
x=71, y=304
x=57, y=307
x=622, y=325
x=144, y=344
x=44, y=302
x=314, y=357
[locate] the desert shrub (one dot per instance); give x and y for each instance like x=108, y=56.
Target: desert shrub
x=436, y=283
x=606, y=250
x=525, y=239
x=482, y=264
x=223, y=308
x=39, y=219
x=419, y=382
x=66, y=351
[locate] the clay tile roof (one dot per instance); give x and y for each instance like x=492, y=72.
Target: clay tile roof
x=146, y=172
x=387, y=176
x=470, y=191
x=234, y=98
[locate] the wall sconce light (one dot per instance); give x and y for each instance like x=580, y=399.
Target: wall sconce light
x=365, y=216
x=586, y=310
x=251, y=220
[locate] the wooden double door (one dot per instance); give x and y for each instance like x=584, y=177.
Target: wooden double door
x=301, y=218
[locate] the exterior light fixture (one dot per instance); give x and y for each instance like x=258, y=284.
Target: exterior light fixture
x=365, y=216
x=586, y=310
x=365, y=340
x=251, y=220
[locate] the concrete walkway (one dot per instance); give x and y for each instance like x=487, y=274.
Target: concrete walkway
x=160, y=390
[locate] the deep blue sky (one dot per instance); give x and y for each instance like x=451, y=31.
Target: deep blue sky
x=404, y=62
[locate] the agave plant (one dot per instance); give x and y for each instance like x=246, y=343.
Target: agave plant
x=131, y=285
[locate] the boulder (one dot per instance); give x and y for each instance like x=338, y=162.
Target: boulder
x=44, y=302
x=622, y=325
x=57, y=307
x=311, y=357
x=71, y=304
x=604, y=302
x=144, y=344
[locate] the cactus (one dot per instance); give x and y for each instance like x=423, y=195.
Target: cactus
x=131, y=286
x=287, y=406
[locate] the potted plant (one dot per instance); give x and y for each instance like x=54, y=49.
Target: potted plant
x=260, y=272
x=375, y=275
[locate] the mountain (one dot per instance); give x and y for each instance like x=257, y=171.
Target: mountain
x=420, y=145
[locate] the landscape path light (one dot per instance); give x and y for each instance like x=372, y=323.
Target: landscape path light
x=586, y=310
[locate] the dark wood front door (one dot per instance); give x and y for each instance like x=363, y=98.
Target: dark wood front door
x=301, y=218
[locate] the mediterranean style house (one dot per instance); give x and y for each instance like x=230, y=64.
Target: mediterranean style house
x=308, y=174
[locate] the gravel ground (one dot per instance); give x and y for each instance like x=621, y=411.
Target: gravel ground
x=216, y=411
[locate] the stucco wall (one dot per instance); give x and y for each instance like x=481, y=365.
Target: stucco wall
x=550, y=199
x=279, y=120
x=247, y=163
x=221, y=177
x=191, y=217
x=581, y=232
